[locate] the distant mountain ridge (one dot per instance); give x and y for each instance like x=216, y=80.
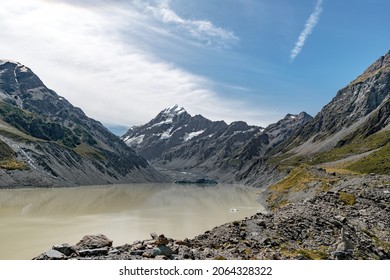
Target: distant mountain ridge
x=55, y=143
x=176, y=140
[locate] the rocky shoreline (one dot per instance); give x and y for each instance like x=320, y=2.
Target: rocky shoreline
x=351, y=220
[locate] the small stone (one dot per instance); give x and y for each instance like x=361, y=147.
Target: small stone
x=65, y=248
x=184, y=242
x=340, y=218
x=147, y=254
x=54, y=255
x=162, y=240
x=262, y=223
x=161, y=257
x=137, y=252
x=138, y=246
x=114, y=252
x=93, y=252
x=162, y=250
x=154, y=235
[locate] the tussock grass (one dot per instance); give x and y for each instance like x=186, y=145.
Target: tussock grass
x=296, y=181
x=86, y=150
x=308, y=254
x=347, y=198
x=377, y=162
x=357, y=146
x=13, y=164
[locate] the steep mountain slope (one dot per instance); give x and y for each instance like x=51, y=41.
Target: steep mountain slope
x=55, y=143
x=174, y=140
x=352, y=132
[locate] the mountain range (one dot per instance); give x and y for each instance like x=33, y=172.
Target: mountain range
x=46, y=141
x=350, y=134
x=174, y=140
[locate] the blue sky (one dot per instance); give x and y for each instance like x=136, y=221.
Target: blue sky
x=254, y=60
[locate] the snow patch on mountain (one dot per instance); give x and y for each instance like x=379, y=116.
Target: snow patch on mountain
x=23, y=69
x=189, y=136
x=166, y=134
x=167, y=121
x=135, y=141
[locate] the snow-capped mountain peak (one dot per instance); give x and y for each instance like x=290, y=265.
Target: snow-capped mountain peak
x=174, y=110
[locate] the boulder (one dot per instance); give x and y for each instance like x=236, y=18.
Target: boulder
x=93, y=242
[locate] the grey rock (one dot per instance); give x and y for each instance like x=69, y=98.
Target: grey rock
x=93, y=252
x=154, y=235
x=148, y=253
x=340, y=218
x=93, y=242
x=54, y=255
x=65, y=248
x=161, y=257
x=262, y=223
x=162, y=250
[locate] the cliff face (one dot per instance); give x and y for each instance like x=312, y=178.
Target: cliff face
x=55, y=143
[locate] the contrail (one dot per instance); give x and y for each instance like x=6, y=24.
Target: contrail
x=309, y=26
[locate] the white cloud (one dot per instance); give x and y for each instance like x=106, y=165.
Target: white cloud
x=202, y=31
x=309, y=26
x=81, y=53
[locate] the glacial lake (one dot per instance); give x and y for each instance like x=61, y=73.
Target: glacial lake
x=32, y=220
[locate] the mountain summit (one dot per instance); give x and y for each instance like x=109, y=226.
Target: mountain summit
x=171, y=127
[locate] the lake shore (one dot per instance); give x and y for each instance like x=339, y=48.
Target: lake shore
x=351, y=220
